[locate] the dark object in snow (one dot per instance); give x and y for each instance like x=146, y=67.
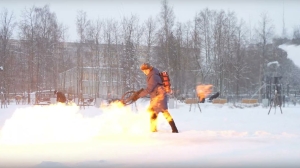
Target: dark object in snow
x=60, y=97
x=214, y=96
x=203, y=100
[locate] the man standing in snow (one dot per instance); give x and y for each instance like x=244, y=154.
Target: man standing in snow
x=60, y=97
x=158, y=102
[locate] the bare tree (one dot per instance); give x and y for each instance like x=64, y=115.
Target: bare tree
x=166, y=19
x=94, y=36
x=264, y=33
x=63, y=60
x=40, y=37
x=203, y=46
x=239, y=64
x=228, y=55
x=150, y=27
x=111, y=57
x=131, y=37
x=48, y=38
x=296, y=35
x=82, y=23
x=211, y=49
x=7, y=25
x=180, y=44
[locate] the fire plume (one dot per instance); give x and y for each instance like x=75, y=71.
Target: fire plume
x=63, y=124
x=203, y=91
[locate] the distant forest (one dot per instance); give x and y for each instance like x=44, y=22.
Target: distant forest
x=214, y=48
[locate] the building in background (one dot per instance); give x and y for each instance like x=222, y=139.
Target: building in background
x=103, y=82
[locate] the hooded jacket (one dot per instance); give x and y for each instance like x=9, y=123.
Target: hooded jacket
x=155, y=89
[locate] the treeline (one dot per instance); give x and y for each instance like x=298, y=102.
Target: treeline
x=214, y=48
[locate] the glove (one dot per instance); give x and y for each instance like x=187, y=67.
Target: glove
x=136, y=96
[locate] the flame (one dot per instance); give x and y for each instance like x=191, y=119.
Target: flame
x=54, y=123
x=60, y=123
x=203, y=91
x=120, y=119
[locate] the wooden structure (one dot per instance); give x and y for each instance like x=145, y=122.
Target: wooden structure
x=250, y=101
x=191, y=101
x=219, y=101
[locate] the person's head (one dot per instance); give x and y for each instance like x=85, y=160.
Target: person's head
x=55, y=91
x=146, y=68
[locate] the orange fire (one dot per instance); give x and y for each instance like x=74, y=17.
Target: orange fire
x=36, y=133
x=60, y=123
x=120, y=119
x=203, y=91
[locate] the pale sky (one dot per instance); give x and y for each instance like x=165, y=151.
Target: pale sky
x=184, y=10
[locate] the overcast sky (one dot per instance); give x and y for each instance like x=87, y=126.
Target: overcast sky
x=184, y=10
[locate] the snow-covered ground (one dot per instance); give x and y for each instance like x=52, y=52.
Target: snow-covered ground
x=219, y=136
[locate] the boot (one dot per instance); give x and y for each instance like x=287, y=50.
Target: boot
x=173, y=126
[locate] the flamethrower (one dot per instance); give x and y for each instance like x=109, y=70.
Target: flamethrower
x=130, y=97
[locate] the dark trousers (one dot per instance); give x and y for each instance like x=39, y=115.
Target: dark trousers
x=167, y=115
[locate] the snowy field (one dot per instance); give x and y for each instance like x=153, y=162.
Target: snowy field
x=219, y=136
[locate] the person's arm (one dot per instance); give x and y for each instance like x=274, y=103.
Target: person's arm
x=151, y=84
